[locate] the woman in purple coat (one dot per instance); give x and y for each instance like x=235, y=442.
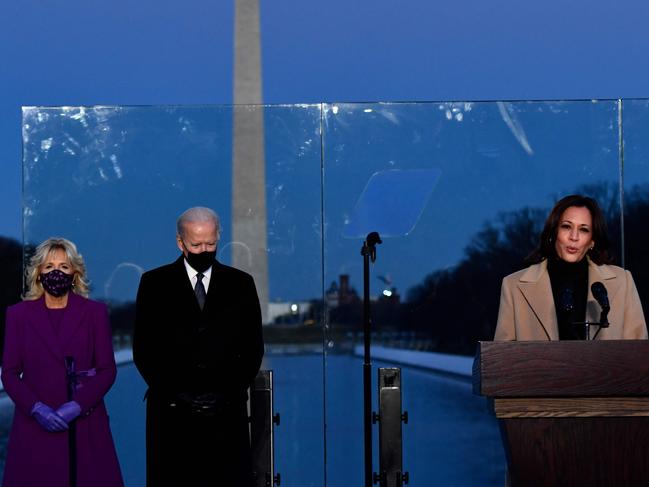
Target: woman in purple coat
x=54, y=323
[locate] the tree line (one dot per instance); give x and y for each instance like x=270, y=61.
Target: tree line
x=454, y=308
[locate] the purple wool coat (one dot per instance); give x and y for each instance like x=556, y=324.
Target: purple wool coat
x=33, y=369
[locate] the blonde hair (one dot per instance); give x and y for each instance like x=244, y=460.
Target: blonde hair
x=32, y=273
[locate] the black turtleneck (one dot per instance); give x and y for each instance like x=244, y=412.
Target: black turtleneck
x=570, y=291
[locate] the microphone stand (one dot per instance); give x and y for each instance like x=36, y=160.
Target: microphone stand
x=369, y=253
x=602, y=323
x=72, y=428
x=603, y=320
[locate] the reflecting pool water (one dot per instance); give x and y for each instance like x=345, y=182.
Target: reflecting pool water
x=460, y=445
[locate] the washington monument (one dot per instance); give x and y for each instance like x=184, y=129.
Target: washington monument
x=249, y=249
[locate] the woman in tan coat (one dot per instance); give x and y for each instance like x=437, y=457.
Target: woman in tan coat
x=549, y=299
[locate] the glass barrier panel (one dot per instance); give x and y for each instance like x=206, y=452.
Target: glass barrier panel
x=476, y=181
x=114, y=180
x=635, y=130
x=293, y=334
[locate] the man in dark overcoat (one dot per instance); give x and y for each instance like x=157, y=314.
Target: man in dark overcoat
x=198, y=345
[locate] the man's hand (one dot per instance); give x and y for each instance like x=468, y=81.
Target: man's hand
x=206, y=404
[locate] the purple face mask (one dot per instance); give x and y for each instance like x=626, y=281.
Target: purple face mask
x=57, y=283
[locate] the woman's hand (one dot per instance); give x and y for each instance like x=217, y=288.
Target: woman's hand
x=48, y=419
x=69, y=411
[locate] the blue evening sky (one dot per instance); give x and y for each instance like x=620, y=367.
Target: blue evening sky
x=149, y=52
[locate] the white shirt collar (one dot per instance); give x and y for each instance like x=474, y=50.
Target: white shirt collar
x=191, y=273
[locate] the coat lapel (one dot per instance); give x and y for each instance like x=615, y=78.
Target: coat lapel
x=214, y=292
x=184, y=286
x=186, y=291
x=535, y=286
x=72, y=319
x=40, y=324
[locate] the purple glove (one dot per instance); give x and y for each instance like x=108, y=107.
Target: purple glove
x=69, y=411
x=47, y=418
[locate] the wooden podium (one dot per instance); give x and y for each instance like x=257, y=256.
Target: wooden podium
x=571, y=413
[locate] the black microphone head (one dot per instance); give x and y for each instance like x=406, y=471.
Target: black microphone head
x=599, y=292
x=566, y=300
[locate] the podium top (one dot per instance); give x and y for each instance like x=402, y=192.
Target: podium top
x=597, y=368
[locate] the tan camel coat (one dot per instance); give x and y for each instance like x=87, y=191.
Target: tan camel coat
x=527, y=309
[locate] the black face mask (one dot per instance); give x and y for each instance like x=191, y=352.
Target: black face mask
x=57, y=283
x=201, y=262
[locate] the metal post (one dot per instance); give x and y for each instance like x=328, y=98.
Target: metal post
x=262, y=436
x=390, y=417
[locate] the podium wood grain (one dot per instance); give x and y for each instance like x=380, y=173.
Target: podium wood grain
x=571, y=413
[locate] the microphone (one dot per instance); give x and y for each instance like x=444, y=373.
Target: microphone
x=600, y=294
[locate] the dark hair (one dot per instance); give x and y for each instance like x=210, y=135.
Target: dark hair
x=599, y=254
